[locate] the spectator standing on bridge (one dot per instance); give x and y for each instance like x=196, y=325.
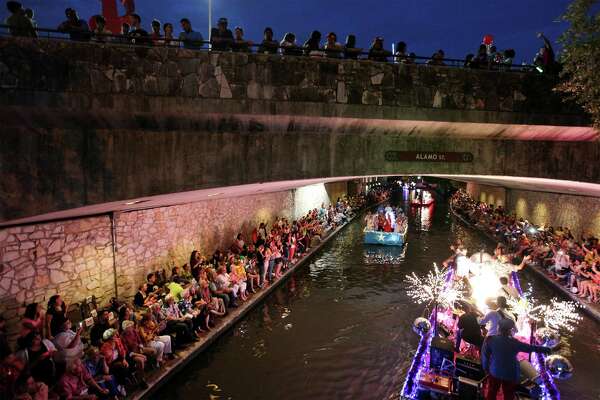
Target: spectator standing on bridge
x=269, y=44
x=312, y=47
x=377, y=51
x=544, y=59
x=168, y=38
x=351, y=52
x=499, y=360
x=76, y=27
x=29, y=14
x=401, y=53
x=239, y=43
x=332, y=48
x=18, y=23
x=288, y=45
x=101, y=34
x=221, y=37
x=191, y=39
x=155, y=32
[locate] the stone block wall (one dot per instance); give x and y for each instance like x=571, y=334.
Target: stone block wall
x=578, y=213
x=158, y=238
x=488, y=194
x=72, y=258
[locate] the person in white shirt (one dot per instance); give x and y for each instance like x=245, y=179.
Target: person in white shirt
x=495, y=316
x=68, y=343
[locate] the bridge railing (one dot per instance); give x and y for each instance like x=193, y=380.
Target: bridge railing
x=385, y=56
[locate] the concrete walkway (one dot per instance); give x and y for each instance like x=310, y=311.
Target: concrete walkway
x=591, y=309
x=159, y=377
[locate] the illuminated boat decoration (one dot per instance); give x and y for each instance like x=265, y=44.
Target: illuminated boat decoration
x=385, y=238
x=422, y=200
x=438, y=365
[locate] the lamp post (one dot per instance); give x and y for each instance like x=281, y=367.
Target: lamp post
x=209, y=19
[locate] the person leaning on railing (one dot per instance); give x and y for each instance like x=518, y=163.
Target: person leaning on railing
x=221, y=37
x=76, y=27
x=191, y=39
x=269, y=44
x=18, y=23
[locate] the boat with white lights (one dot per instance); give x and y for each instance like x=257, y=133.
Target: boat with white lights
x=422, y=199
x=447, y=367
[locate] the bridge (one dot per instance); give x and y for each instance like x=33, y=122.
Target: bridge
x=94, y=127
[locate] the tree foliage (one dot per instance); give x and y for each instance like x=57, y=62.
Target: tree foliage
x=581, y=57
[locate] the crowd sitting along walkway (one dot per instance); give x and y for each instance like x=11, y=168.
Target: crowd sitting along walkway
x=134, y=337
x=572, y=267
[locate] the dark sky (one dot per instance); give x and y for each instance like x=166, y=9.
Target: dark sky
x=456, y=26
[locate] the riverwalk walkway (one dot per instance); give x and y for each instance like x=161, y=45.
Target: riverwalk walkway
x=591, y=309
x=158, y=378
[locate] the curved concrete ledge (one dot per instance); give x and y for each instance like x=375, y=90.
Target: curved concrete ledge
x=160, y=377
x=591, y=309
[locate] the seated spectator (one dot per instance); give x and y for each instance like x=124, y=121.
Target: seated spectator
x=77, y=383
x=77, y=28
x=252, y=273
x=96, y=366
x=238, y=244
x=221, y=38
x=68, y=344
x=191, y=39
x=194, y=311
x=377, y=52
x=312, y=47
x=215, y=290
x=102, y=325
x=350, y=50
x=26, y=388
x=237, y=277
x=149, y=334
x=155, y=33
x=177, y=323
x=115, y=353
x=239, y=43
x=101, y=34
x=151, y=283
x=18, y=23
x=175, y=289
x=137, y=350
x=33, y=320
x=269, y=44
x=333, y=49
x=288, y=47
x=56, y=313
x=142, y=298
x=215, y=305
x=37, y=356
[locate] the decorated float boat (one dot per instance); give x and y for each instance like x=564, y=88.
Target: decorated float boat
x=386, y=238
x=422, y=199
x=446, y=367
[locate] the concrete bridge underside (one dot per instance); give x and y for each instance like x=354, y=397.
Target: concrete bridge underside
x=125, y=157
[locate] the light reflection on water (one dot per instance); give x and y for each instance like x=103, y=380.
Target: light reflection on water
x=340, y=328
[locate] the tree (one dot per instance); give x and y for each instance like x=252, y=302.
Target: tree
x=581, y=57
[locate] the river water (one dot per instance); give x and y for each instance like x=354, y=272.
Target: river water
x=341, y=327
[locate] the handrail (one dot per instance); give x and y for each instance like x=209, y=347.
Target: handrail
x=275, y=49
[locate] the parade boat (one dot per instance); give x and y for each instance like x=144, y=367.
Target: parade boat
x=385, y=228
x=423, y=199
x=444, y=366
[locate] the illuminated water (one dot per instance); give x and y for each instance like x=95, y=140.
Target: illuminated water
x=341, y=327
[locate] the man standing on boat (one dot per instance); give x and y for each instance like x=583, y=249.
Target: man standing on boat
x=494, y=317
x=499, y=360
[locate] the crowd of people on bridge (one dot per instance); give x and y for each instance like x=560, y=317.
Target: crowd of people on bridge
x=21, y=23
x=573, y=262
x=105, y=352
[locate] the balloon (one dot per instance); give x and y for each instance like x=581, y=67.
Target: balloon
x=559, y=367
x=488, y=40
x=547, y=337
x=421, y=326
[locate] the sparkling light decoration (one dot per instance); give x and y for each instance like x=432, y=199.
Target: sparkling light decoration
x=433, y=288
x=560, y=315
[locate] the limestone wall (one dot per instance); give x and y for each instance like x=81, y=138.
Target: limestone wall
x=73, y=258
x=160, y=237
x=488, y=194
x=578, y=213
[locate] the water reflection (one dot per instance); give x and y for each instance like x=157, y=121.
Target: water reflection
x=340, y=328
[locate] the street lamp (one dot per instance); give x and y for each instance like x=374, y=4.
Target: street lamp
x=209, y=19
